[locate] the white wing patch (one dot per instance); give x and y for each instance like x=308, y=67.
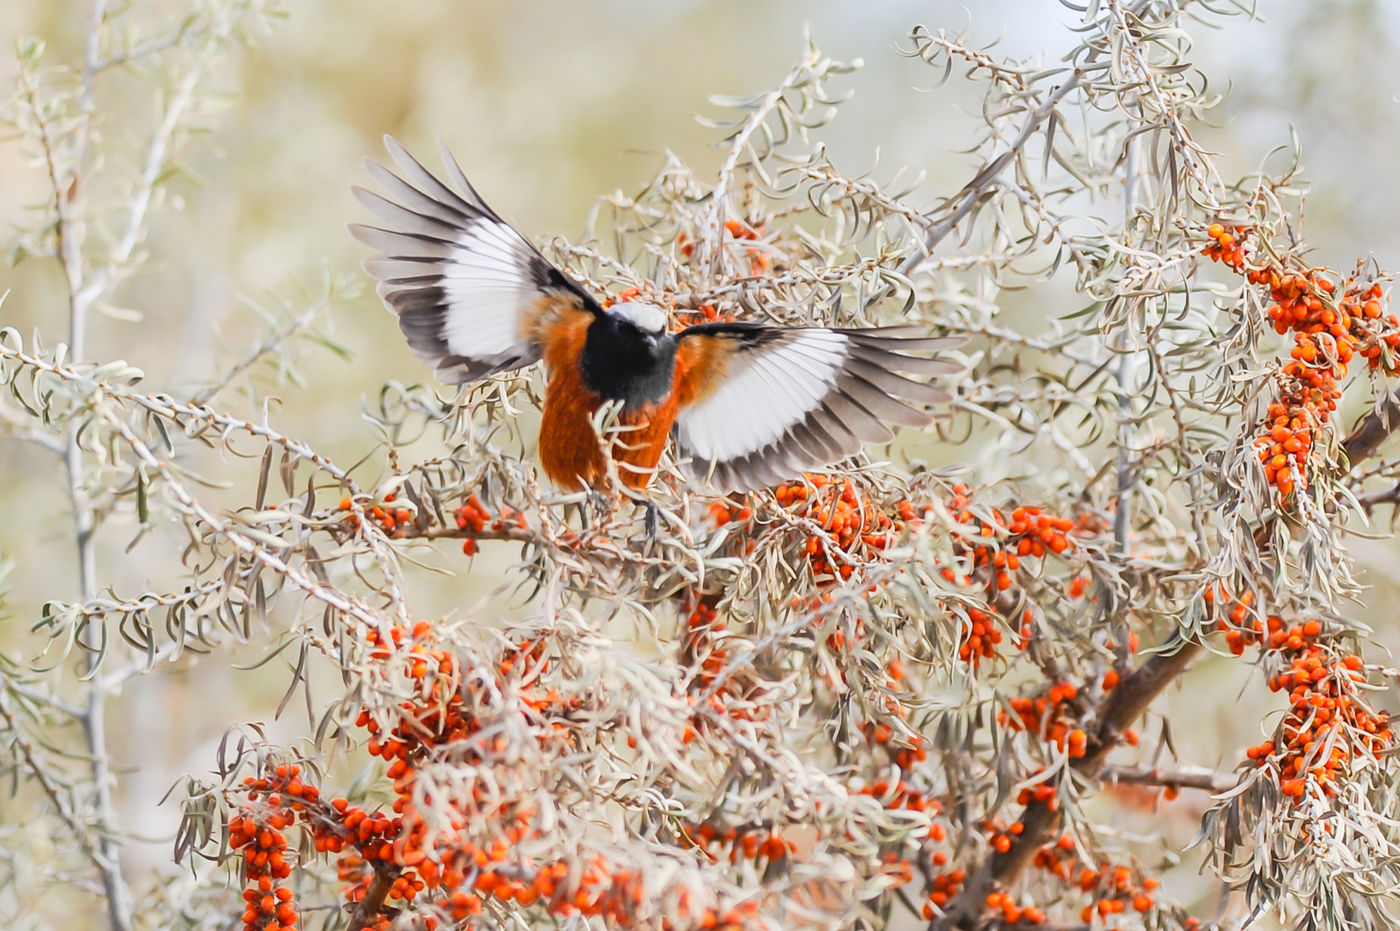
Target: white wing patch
x=486, y=290
x=763, y=396
x=784, y=400
x=461, y=280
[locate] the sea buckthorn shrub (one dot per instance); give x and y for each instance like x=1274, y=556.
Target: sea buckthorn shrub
x=930, y=686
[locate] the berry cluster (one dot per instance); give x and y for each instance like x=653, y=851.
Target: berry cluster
x=1227, y=246
x=1239, y=630
x=1330, y=324
x=943, y=889
x=1115, y=890
x=1058, y=859
x=1327, y=723
x=275, y=801
x=1051, y=716
x=1048, y=716
x=734, y=844
x=901, y=796
x=910, y=750
x=859, y=530
x=438, y=716
x=397, y=861
x=1112, y=890
x=1012, y=913
x=394, y=521
x=700, y=651
x=996, y=548
x=854, y=530
x=476, y=518
x=623, y=296
x=1002, y=836
x=760, y=261
x=723, y=512
x=1042, y=792
x=472, y=519
x=706, y=313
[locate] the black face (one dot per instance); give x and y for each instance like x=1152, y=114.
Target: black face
x=621, y=363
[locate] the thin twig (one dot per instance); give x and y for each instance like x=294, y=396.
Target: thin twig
x=965, y=200
x=275, y=338
x=1186, y=777
x=82, y=833
x=19, y=428
x=719, y=198
x=157, y=160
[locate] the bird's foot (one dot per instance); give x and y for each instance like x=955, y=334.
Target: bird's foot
x=595, y=508
x=651, y=518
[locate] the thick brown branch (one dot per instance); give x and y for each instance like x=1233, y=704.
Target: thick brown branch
x=1131, y=698
x=1372, y=500
x=368, y=909
x=1373, y=430
x=1124, y=705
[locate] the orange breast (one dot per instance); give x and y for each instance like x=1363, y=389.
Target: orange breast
x=639, y=446
x=569, y=449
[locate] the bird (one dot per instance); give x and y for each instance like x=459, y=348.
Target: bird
x=747, y=404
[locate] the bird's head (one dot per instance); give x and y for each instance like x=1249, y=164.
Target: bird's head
x=629, y=354
x=648, y=320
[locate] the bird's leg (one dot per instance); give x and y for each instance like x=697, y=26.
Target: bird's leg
x=651, y=520
x=594, y=507
x=651, y=517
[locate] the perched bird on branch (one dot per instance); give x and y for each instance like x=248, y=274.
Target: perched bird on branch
x=748, y=404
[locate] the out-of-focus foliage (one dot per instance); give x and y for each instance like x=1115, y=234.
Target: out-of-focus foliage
x=922, y=689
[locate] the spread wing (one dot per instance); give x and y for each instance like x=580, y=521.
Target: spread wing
x=470, y=292
x=761, y=404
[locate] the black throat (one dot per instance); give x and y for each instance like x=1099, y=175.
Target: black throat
x=620, y=363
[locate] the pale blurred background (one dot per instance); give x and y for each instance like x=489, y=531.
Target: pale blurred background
x=547, y=105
